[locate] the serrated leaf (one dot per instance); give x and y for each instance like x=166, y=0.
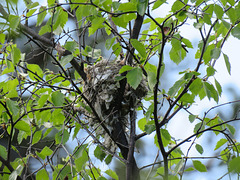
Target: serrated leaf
x=42, y=175
x=139, y=47
x=15, y=55
x=191, y=118
x=97, y=23
x=219, y=87
x=41, y=15
x=179, y=166
x=149, y=128
x=23, y=126
x=199, y=166
x=3, y=152
x=187, y=42
x=108, y=159
x=99, y=153
x=196, y=86
x=109, y=42
x=35, y=71
x=157, y=4
x=79, y=162
x=215, y=53
x=210, y=71
x=234, y=165
x=142, y=6
x=174, y=89
x=218, y=11
x=62, y=137
x=199, y=148
x=57, y=98
x=36, y=137
x=13, y=21
x=141, y=123
x=125, y=68
x=112, y=174
x=134, y=77
x=13, y=106
x=220, y=143
x=227, y=63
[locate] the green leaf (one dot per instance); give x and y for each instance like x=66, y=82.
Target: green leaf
x=150, y=127
x=134, y=77
x=179, y=166
x=199, y=148
x=210, y=71
x=99, y=153
x=174, y=89
x=97, y=23
x=57, y=98
x=15, y=55
x=46, y=151
x=16, y=172
x=231, y=129
x=234, y=165
x=139, y=47
x=141, y=123
x=41, y=15
x=227, y=63
x=2, y=38
x=152, y=75
x=109, y=42
x=112, y=174
x=210, y=91
x=215, y=53
x=157, y=4
x=219, y=87
x=3, y=152
x=199, y=166
x=220, y=143
x=218, y=11
x=177, y=5
x=125, y=68
x=108, y=159
x=196, y=86
x=166, y=137
x=79, y=162
x=36, y=137
x=187, y=98
x=142, y=6
x=42, y=175
x=23, y=126
x=62, y=137
x=197, y=25
x=191, y=118
x=187, y=42
x=13, y=21
x=12, y=106
x=35, y=71
x=57, y=117
x=44, y=29
x=42, y=100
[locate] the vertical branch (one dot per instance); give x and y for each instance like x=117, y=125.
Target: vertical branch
x=155, y=112
x=132, y=171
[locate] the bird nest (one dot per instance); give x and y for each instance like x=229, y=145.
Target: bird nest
x=104, y=91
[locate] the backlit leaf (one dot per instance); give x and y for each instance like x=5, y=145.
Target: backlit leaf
x=199, y=166
x=220, y=143
x=139, y=47
x=227, y=63
x=134, y=77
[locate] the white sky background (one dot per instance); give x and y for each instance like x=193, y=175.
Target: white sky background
x=180, y=126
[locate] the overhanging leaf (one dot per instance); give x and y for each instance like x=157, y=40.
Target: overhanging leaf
x=134, y=77
x=139, y=47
